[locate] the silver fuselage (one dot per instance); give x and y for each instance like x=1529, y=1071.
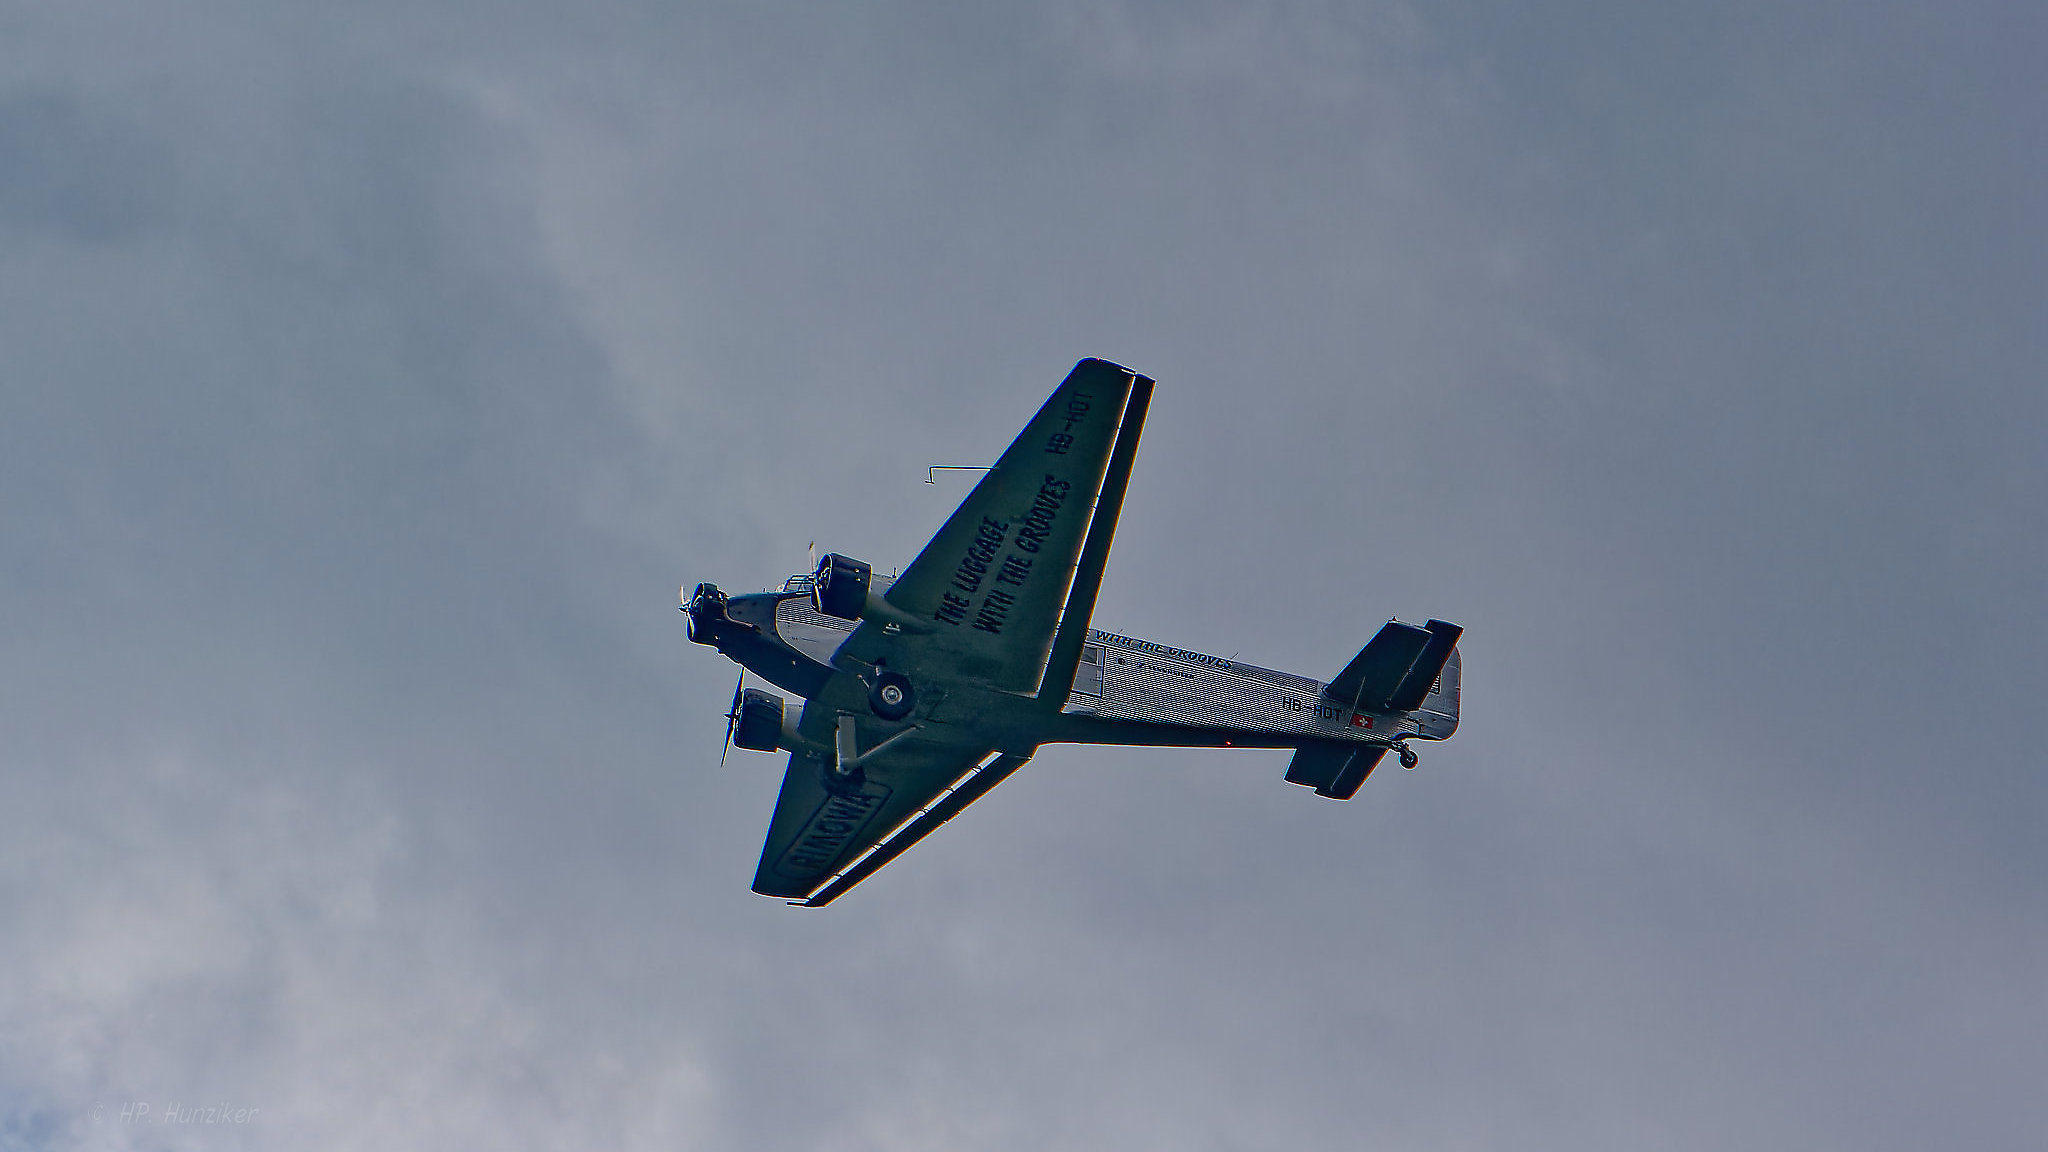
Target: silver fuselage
x=1126, y=691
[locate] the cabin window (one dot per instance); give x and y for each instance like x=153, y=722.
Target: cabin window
x=1088, y=676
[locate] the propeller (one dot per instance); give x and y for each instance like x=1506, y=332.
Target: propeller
x=732, y=718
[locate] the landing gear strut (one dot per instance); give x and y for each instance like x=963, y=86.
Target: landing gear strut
x=844, y=774
x=848, y=782
x=1408, y=757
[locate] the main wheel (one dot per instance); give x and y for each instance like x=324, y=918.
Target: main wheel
x=891, y=696
x=1409, y=759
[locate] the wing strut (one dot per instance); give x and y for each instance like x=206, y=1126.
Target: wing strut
x=966, y=791
x=1058, y=683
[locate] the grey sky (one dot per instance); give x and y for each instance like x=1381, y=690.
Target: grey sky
x=375, y=375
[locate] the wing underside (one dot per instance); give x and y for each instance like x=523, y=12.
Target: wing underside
x=1006, y=585
x=964, y=791
x=994, y=580
x=823, y=841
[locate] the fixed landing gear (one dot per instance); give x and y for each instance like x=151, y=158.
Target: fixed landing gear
x=844, y=774
x=1408, y=757
x=890, y=696
x=841, y=781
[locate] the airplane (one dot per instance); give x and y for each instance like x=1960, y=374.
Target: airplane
x=923, y=692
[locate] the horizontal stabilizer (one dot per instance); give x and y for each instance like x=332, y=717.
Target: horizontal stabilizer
x=1394, y=671
x=1415, y=686
x=1377, y=671
x=1333, y=769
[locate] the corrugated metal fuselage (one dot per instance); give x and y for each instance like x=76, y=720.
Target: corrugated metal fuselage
x=1126, y=691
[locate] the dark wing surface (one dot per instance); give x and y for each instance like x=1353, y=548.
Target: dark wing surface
x=993, y=582
x=823, y=842
x=984, y=601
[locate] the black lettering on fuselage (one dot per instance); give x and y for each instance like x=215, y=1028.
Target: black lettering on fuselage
x=1321, y=711
x=1160, y=649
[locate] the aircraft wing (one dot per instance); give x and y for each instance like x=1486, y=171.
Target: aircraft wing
x=822, y=843
x=995, y=580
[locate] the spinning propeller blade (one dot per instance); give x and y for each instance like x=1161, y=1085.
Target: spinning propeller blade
x=732, y=718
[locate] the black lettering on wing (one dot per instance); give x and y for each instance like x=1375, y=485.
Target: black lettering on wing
x=995, y=611
x=1045, y=507
x=952, y=609
x=1016, y=569
x=981, y=552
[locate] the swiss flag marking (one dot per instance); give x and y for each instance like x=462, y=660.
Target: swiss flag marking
x=1360, y=721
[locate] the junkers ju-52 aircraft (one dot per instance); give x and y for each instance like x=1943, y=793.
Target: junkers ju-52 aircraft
x=922, y=693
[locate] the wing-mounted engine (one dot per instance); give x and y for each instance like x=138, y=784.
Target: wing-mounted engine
x=844, y=587
x=763, y=722
x=841, y=586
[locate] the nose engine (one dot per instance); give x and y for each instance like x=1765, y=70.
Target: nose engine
x=706, y=607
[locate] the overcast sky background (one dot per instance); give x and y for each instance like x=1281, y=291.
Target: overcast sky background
x=374, y=374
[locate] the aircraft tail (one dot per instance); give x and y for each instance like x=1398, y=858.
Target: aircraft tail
x=1437, y=715
x=1398, y=670
x=1404, y=670
x=1333, y=768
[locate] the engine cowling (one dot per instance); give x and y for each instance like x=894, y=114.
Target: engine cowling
x=759, y=726
x=840, y=587
x=706, y=608
x=844, y=587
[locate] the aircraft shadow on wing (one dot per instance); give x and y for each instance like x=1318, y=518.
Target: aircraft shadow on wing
x=922, y=693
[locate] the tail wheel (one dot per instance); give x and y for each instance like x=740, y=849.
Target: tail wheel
x=1408, y=757
x=891, y=696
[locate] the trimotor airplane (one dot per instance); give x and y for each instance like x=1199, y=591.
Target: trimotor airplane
x=922, y=693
